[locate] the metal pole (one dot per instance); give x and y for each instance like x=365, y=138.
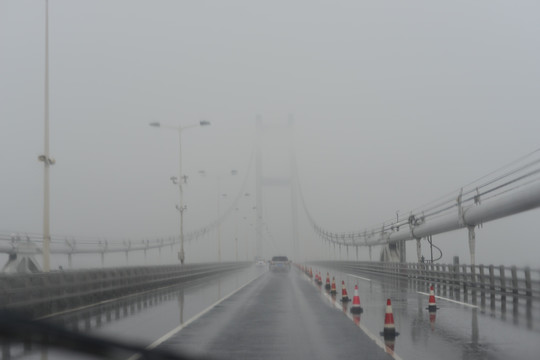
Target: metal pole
x=472, y=243
x=46, y=229
x=236, y=235
x=181, y=254
x=219, y=222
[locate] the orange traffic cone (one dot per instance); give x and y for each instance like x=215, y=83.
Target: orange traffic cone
x=432, y=307
x=356, y=308
x=389, y=330
x=333, y=290
x=327, y=286
x=344, y=295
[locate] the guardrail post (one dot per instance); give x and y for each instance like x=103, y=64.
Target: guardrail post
x=444, y=278
x=528, y=283
x=464, y=277
x=431, y=275
x=455, y=285
x=492, y=286
x=474, y=284
x=482, y=280
x=528, y=293
x=438, y=277
x=502, y=280
x=515, y=288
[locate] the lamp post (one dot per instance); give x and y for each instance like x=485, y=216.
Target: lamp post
x=236, y=236
x=219, y=223
x=178, y=181
x=45, y=158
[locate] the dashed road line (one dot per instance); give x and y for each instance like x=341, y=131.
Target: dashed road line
x=376, y=339
x=177, y=329
x=359, y=277
x=450, y=300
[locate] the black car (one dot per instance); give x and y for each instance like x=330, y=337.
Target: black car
x=280, y=263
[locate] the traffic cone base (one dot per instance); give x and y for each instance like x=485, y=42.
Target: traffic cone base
x=389, y=333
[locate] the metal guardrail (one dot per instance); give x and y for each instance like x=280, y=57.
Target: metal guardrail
x=458, y=279
x=40, y=294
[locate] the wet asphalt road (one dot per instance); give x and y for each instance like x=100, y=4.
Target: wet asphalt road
x=278, y=316
x=455, y=331
x=285, y=316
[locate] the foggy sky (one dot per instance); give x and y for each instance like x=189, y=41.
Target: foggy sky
x=395, y=104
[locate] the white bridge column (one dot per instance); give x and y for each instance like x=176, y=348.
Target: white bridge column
x=472, y=243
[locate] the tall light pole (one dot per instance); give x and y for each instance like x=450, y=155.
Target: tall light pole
x=47, y=160
x=236, y=236
x=178, y=181
x=219, y=222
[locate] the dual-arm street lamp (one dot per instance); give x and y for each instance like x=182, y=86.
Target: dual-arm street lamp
x=181, y=179
x=45, y=158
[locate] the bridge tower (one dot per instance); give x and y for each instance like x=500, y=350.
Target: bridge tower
x=288, y=181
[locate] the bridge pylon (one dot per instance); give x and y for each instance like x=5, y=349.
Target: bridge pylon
x=263, y=181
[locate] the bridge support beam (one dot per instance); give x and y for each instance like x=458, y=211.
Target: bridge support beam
x=402, y=251
x=22, y=260
x=472, y=244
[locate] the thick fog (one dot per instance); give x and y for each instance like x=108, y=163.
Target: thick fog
x=394, y=104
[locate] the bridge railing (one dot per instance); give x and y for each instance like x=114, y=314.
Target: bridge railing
x=41, y=294
x=501, y=281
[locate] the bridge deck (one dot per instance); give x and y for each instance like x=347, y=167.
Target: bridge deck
x=278, y=316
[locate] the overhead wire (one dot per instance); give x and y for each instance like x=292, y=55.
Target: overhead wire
x=442, y=205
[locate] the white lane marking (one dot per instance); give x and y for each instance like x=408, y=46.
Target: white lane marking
x=177, y=329
x=376, y=339
x=359, y=277
x=450, y=300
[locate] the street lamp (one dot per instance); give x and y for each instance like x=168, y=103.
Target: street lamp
x=181, y=179
x=45, y=158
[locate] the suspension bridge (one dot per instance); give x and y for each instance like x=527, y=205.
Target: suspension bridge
x=172, y=307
